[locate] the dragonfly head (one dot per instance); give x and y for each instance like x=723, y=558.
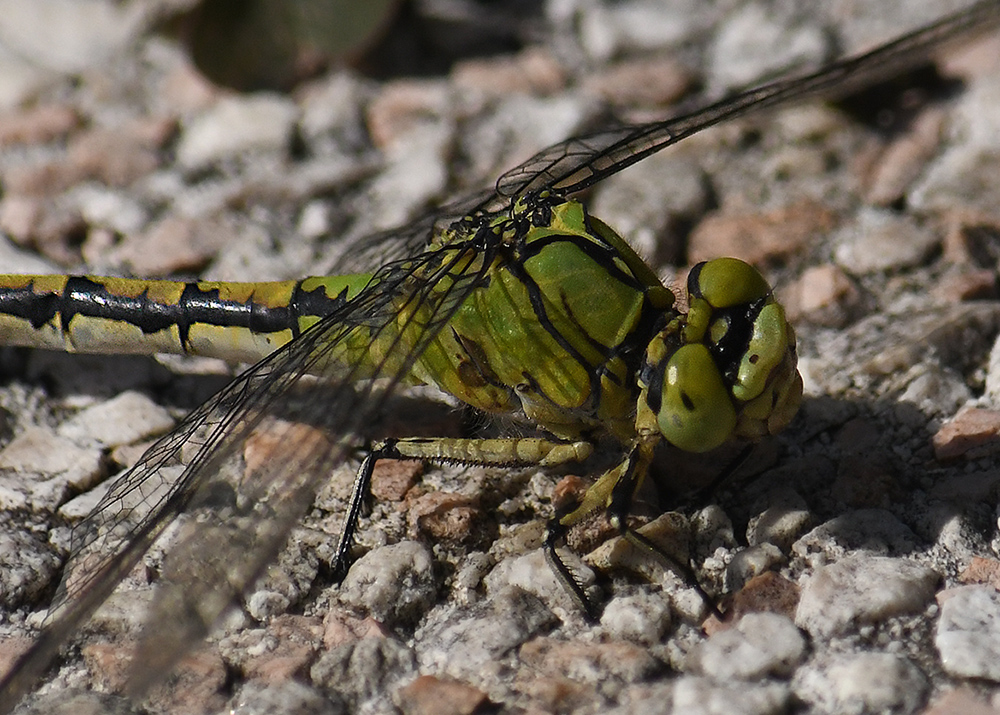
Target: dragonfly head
x=726, y=369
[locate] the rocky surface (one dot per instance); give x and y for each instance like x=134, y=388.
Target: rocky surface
x=856, y=557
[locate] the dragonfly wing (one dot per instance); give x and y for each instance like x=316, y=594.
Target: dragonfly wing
x=395, y=244
x=237, y=515
x=576, y=164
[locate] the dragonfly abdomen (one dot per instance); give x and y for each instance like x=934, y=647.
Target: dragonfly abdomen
x=238, y=322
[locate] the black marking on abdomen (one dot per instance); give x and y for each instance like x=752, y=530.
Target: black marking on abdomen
x=83, y=296
x=24, y=303
x=86, y=297
x=314, y=302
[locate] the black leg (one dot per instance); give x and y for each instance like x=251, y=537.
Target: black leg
x=554, y=532
x=362, y=490
x=619, y=508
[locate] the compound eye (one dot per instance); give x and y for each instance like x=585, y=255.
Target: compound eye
x=696, y=412
x=725, y=282
x=769, y=343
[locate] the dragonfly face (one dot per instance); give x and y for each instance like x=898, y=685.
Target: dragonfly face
x=728, y=369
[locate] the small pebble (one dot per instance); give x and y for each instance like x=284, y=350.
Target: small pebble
x=862, y=589
x=861, y=683
x=430, y=695
x=761, y=645
x=394, y=583
x=234, y=126
x=127, y=418
x=642, y=618
x=704, y=696
x=968, y=632
x=359, y=670
x=532, y=573
x=755, y=43
x=882, y=241
x=465, y=643
x=287, y=698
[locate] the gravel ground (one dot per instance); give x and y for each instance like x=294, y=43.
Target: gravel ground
x=858, y=554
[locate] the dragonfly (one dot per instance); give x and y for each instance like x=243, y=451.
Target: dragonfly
x=512, y=300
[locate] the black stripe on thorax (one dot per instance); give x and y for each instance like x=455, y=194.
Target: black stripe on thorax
x=604, y=256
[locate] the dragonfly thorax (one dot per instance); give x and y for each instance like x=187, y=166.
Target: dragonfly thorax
x=724, y=370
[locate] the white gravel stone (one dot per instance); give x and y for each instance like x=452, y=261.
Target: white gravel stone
x=881, y=241
x=393, y=583
x=862, y=589
x=263, y=604
x=332, y=106
x=284, y=698
x=761, y=645
x=21, y=81
x=612, y=29
x=414, y=174
x=703, y=696
x=532, y=573
x=110, y=208
x=861, y=683
x=651, y=198
x=38, y=468
x=61, y=703
x=80, y=506
x=125, y=419
x=968, y=633
x=254, y=123
x=751, y=562
x=959, y=177
x=522, y=126
x=754, y=43
x=780, y=524
x=874, y=531
x=15, y=260
x=360, y=669
x=69, y=35
x=463, y=643
x=643, y=618
x=27, y=565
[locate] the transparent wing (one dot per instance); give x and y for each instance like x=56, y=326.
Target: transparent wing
x=396, y=244
x=575, y=164
x=238, y=513
x=578, y=163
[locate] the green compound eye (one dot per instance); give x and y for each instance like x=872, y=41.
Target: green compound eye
x=767, y=348
x=725, y=282
x=733, y=374
x=696, y=413
x=728, y=282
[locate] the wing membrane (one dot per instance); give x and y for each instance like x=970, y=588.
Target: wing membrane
x=243, y=521
x=576, y=164
x=580, y=162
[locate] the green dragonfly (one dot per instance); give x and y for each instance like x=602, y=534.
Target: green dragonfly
x=513, y=300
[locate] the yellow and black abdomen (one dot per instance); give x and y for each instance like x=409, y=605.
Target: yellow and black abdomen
x=237, y=322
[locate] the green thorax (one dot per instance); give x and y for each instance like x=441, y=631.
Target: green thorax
x=558, y=329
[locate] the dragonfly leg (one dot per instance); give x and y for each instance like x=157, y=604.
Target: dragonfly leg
x=619, y=507
x=601, y=494
x=614, y=491
x=555, y=530
x=492, y=452
x=362, y=487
